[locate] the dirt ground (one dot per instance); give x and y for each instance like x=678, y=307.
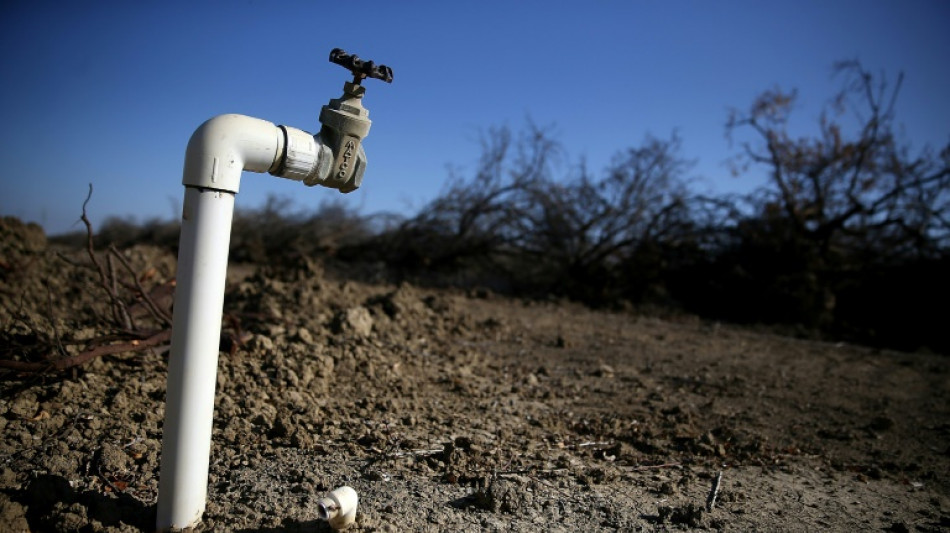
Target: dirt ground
x=464, y=411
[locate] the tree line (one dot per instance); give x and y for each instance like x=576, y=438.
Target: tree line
x=848, y=237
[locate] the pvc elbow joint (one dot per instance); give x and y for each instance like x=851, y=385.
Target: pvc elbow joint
x=224, y=146
x=339, y=508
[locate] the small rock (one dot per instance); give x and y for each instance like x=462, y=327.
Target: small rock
x=355, y=320
x=260, y=343
x=304, y=336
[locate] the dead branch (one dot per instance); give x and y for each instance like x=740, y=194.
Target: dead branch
x=651, y=467
x=159, y=314
x=113, y=289
x=119, y=312
x=87, y=355
x=124, y=337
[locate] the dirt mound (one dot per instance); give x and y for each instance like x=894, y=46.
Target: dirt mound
x=449, y=411
x=18, y=239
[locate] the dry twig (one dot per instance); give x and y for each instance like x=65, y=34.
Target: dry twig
x=161, y=315
x=714, y=492
x=120, y=314
x=125, y=335
x=651, y=467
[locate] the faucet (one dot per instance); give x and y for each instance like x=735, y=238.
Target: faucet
x=217, y=153
x=346, y=122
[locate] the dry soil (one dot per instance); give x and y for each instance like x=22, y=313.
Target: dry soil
x=463, y=411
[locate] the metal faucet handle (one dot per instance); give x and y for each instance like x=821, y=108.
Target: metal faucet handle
x=360, y=69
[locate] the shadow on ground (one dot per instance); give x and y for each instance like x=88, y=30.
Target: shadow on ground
x=53, y=504
x=292, y=526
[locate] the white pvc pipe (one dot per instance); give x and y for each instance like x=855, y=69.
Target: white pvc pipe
x=193, y=364
x=217, y=153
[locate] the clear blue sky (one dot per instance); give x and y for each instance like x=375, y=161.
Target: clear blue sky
x=110, y=92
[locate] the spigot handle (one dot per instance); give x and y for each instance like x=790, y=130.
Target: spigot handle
x=360, y=69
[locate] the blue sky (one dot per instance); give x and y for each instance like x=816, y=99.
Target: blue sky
x=110, y=92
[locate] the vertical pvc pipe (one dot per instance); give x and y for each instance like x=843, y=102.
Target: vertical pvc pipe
x=192, y=366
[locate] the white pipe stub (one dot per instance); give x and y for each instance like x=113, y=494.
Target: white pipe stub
x=339, y=508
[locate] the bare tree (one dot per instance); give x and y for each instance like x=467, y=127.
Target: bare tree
x=851, y=199
x=586, y=229
x=474, y=217
x=843, y=191
x=515, y=216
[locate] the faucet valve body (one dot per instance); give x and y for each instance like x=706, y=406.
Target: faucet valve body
x=334, y=157
x=346, y=122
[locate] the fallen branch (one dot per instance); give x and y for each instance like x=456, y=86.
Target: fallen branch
x=651, y=467
x=125, y=336
x=88, y=355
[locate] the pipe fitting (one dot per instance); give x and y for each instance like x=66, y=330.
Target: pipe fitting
x=339, y=508
x=310, y=159
x=305, y=157
x=224, y=146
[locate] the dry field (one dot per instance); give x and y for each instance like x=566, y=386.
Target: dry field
x=462, y=411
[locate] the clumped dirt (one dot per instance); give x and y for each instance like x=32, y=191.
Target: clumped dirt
x=464, y=411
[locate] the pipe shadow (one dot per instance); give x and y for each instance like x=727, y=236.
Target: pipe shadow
x=290, y=525
x=53, y=504
x=470, y=502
